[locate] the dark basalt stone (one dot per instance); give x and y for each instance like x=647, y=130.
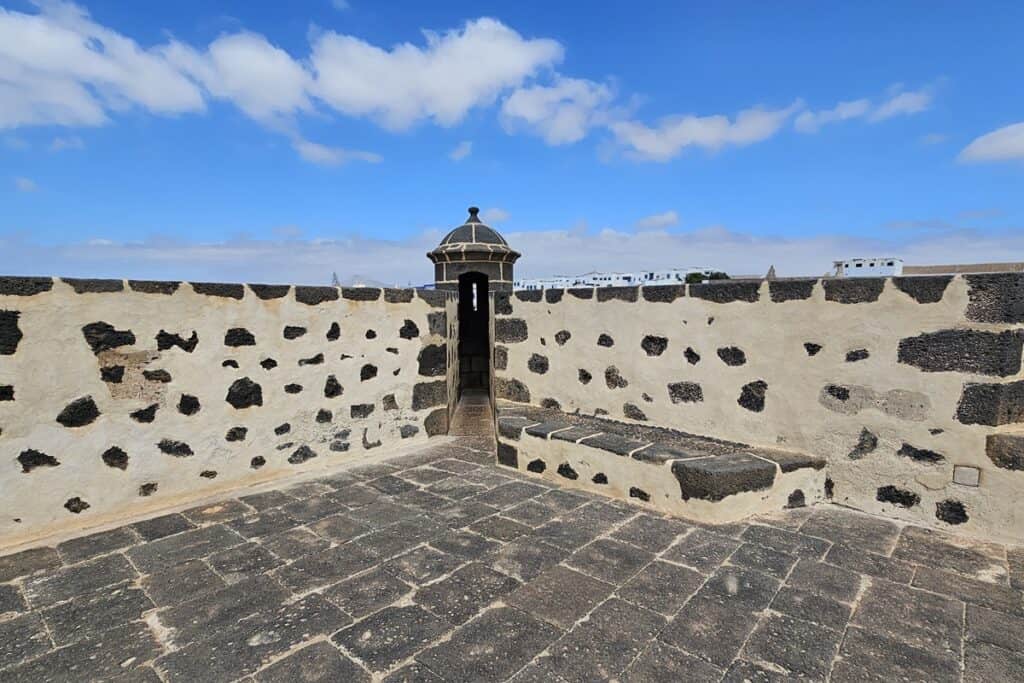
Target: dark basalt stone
x=437, y=323
x=752, y=395
x=339, y=446
x=553, y=296
x=334, y=333
x=628, y=294
x=178, y=449
x=301, y=455
x=500, y=357
x=332, y=387
x=408, y=431
x=510, y=330
x=359, y=411
x=101, y=336
x=502, y=303
x=229, y=363
x=796, y=499
x=361, y=293
x=268, y=292
x=511, y=389
x=433, y=360
x=613, y=443
x=837, y=392
x=313, y=296
x=244, y=393
x=166, y=340
x=830, y=488
x=371, y=334
x=115, y=457
x=285, y=446
x=93, y=286
x=537, y=363
x=433, y=297
x=566, y=470
x=601, y=479
x=647, y=397
x=508, y=455
x=584, y=376
x=790, y=290
x=79, y=413
x=409, y=330
x=717, y=477
x=639, y=494
x=389, y=402
x=367, y=372
x=145, y=415
x=208, y=474
x=633, y=412
x=663, y=294
x=581, y=292
x=811, y=348
x=292, y=388
x=692, y=357
x=529, y=295
x=866, y=443
x=323, y=416
x=975, y=351
x=605, y=340
x=536, y=466
x=257, y=462
x=398, y=296
x=951, y=512
x=654, y=345
x=919, y=454
x=935, y=431
x=613, y=379
x=856, y=355
x=6, y=392
x=218, y=289
x=991, y=404
x=25, y=286
x=148, y=489
x=392, y=349
x=1006, y=451
x=685, y=392
x=436, y=422
x=897, y=496
x=925, y=289
x=314, y=360
x=154, y=286
x=161, y=376
x=545, y=429
x=550, y=404
x=31, y=459
x=732, y=355
x=600, y=411
x=76, y=505
x=993, y=298
x=367, y=444
x=282, y=429
x=268, y=363
x=239, y=336
x=293, y=331
x=236, y=434
x=429, y=394
x=727, y=292
x=853, y=290
x=188, y=404
x=10, y=333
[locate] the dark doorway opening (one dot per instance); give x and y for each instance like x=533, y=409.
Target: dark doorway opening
x=474, y=337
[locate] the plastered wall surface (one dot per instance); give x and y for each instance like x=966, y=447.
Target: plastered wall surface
x=121, y=397
x=894, y=381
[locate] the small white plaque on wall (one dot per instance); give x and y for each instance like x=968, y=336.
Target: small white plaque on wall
x=966, y=476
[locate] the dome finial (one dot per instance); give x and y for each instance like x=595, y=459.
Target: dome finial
x=473, y=217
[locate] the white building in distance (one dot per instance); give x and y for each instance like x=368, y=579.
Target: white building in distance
x=612, y=279
x=868, y=267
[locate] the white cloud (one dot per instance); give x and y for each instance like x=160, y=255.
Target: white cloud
x=902, y=103
x=25, y=185
x=59, y=144
x=674, y=134
x=331, y=156
x=494, y=216
x=1002, y=144
x=658, y=221
x=440, y=82
x=898, y=102
x=561, y=113
x=461, y=151
x=811, y=121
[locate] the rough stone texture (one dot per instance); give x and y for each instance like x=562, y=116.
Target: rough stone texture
x=995, y=298
x=752, y=396
x=685, y=392
x=791, y=290
x=511, y=390
x=723, y=292
x=991, y=404
x=654, y=345
x=853, y=290
x=627, y=294
x=313, y=296
x=25, y=286
x=715, y=478
x=664, y=294
x=10, y=333
x=732, y=356
x=857, y=355
x=154, y=286
x=269, y=292
x=897, y=496
x=613, y=379
x=927, y=289
x=1006, y=451
x=529, y=295
x=93, y=286
x=510, y=330
x=429, y=394
x=866, y=444
x=951, y=512
x=79, y=413
x=920, y=454
x=974, y=351
x=537, y=364
x=102, y=336
x=228, y=291
x=812, y=349
x=605, y=340
x=244, y=393
x=361, y=293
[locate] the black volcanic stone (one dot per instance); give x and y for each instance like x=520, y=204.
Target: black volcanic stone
x=993, y=298
x=562, y=336
x=566, y=470
x=692, y=357
x=79, y=413
x=324, y=416
x=628, y=294
x=925, y=289
x=654, y=345
x=165, y=340
x=639, y=494
x=244, y=393
x=301, y=455
x=283, y=428
x=314, y=360
x=553, y=296
x=293, y=331
x=218, y=289
x=974, y=351
x=178, y=449
x=508, y=455
x=536, y=466
x=991, y=404
x=1006, y=451
x=853, y=290
x=101, y=336
x=91, y=286
x=333, y=388
x=148, y=489
x=732, y=355
x=613, y=443
x=312, y=296
x=529, y=295
x=161, y=376
x=790, y=290
x=550, y=403
x=502, y=303
x=511, y=389
x=239, y=336
x=429, y=394
x=436, y=422
x=154, y=286
x=409, y=330
x=433, y=360
x=236, y=434
x=433, y=297
x=600, y=478
x=268, y=292
x=633, y=412
x=584, y=376
x=367, y=372
x=389, y=402
x=6, y=392
x=31, y=459
x=897, y=496
x=951, y=512
x=230, y=363
x=581, y=292
x=919, y=454
x=268, y=363
x=724, y=292
x=613, y=379
x=537, y=363
x=605, y=340
x=10, y=333
x=796, y=499
x=115, y=457
x=685, y=392
x=292, y=388
x=866, y=443
x=856, y=355
x=811, y=348
x=500, y=357
x=371, y=334
x=361, y=410
x=112, y=373
x=752, y=395
x=360, y=293
x=145, y=415
x=837, y=392
x=25, y=286
x=664, y=294
x=398, y=296
x=188, y=404
x=510, y=330
x=257, y=462
x=76, y=505
x=208, y=474
x=724, y=475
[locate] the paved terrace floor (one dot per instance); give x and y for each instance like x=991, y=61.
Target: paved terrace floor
x=440, y=566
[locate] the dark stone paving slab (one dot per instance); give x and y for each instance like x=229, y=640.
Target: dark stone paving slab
x=560, y=596
x=91, y=615
x=87, y=547
x=318, y=663
x=182, y=582
x=391, y=635
x=28, y=562
x=63, y=584
x=159, y=527
x=465, y=592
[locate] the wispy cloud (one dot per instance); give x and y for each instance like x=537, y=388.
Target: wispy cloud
x=494, y=215
x=1002, y=144
x=658, y=221
x=25, y=185
x=325, y=155
x=897, y=102
x=461, y=151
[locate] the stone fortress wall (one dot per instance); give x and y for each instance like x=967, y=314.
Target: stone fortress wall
x=121, y=397
x=895, y=381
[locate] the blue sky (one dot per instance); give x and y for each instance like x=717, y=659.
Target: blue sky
x=283, y=141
